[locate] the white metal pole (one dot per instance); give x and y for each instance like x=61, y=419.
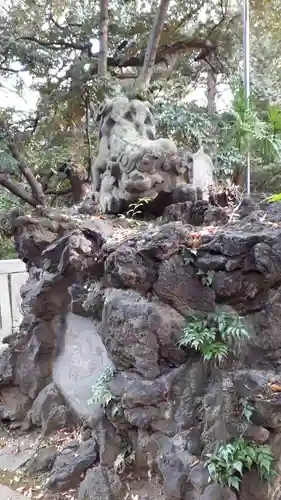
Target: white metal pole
x=246, y=50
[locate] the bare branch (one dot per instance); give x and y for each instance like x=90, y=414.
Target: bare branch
x=59, y=44
x=6, y=69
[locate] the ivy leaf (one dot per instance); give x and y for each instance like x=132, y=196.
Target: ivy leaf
x=234, y=482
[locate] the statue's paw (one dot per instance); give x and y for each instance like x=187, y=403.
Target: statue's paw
x=112, y=204
x=184, y=192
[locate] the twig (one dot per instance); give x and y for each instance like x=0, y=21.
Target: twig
x=237, y=207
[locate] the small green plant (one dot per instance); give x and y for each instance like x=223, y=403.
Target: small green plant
x=125, y=458
x=206, y=278
x=214, y=336
x=232, y=329
x=189, y=258
x=273, y=198
x=202, y=337
x=247, y=409
x=228, y=463
x=189, y=255
x=101, y=394
x=134, y=208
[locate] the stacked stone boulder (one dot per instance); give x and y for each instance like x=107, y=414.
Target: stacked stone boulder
x=168, y=407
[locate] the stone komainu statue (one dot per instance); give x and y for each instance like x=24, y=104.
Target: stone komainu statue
x=132, y=164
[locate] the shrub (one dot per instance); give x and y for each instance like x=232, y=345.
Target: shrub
x=215, y=336
x=7, y=249
x=247, y=409
x=228, y=463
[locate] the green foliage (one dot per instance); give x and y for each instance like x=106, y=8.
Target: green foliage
x=189, y=255
x=54, y=50
x=228, y=463
x=7, y=162
x=215, y=336
x=7, y=201
x=274, y=197
x=247, y=409
x=231, y=328
x=101, y=394
x=206, y=278
x=7, y=248
x=189, y=258
x=189, y=125
x=228, y=136
x=254, y=131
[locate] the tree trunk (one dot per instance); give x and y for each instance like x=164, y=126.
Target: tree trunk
x=78, y=187
x=103, y=37
x=88, y=137
x=211, y=105
x=211, y=90
x=151, y=51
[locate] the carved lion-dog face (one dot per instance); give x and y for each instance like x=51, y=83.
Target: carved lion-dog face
x=135, y=111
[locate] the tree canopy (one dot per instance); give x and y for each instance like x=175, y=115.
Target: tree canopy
x=77, y=53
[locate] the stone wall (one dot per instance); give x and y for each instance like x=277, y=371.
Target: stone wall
x=95, y=284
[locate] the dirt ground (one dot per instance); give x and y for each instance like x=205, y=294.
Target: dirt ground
x=16, y=448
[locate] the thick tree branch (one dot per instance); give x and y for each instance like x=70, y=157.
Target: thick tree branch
x=58, y=44
x=6, y=69
x=161, y=57
x=153, y=43
x=62, y=192
x=36, y=187
x=17, y=189
x=122, y=62
x=26, y=171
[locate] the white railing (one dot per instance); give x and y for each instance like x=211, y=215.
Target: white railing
x=12, y=276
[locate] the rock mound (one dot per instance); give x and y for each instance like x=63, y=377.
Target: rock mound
x=162, y=407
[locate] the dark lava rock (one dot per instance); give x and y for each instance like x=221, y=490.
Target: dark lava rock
x=70, y=464
x=216, y=492
x=215, y=216
x=100, y=484
x=6, y=370
x=43, y=460
x=13, y=404
x=254, y=488
x=49, y=410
